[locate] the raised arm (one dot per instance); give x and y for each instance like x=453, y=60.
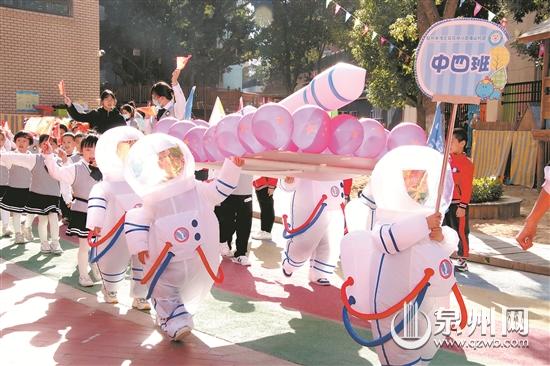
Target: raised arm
x=179, y=97
x=64, y=174
x=27, y=161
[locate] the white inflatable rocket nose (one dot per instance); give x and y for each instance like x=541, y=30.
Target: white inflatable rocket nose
x=107, y=158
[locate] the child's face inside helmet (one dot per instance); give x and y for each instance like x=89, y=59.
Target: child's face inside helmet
x=416, y=184
x=172, y=162
x=123, y=148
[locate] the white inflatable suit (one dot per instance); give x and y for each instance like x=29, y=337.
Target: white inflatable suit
x=108, y=202
x=176, y=225
x=315, y=229
x=392, y=264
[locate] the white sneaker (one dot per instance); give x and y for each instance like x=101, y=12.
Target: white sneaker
x=6, y=233
x=85, y=281
x=262, y=235
x=141, y=304
x=45, y=248
x=182, y=333
x=109, y=296
x=316, y=280
x=95, y=272
x=55, y=248
x=19, y=238
x=28, y=234
x=242, y=260
x=225, y=251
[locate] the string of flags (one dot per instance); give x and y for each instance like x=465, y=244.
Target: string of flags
x=383, y=40
x=477, y=9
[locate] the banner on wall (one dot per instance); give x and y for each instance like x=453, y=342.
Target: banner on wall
x=462, y=60
x=25, y=100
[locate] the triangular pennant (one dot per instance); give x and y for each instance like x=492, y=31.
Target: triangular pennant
x=348, y=15
x=392, y=47
x=461, y=2
x=491, y=16
x=374, y=34
x=399, y=54
x=382, y=40
x=337, y=9
x=327, y=3
x=217, y=112
x=365, y=29
x=541, y=49
x=477, y=8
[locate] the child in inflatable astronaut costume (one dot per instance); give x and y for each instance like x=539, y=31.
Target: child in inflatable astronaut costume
x=405, y=249
x=176, y=226
x=109, y=201
x=316, y=227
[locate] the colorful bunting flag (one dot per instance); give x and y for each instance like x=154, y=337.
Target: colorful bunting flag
x=365, y=29
x=392, y=47
x=477, y=9
x=461, y=2
x=382, y=40
x=348, y=15
x=491, y=16
x=374, y=34
x=189, y=104
x=541, y=49
x=217, y=112
x=328, y=3
x=337, y=9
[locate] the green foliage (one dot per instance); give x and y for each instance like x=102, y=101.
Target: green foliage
x=487, y=189
x=216, y=33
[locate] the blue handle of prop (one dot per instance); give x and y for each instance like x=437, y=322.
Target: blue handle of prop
x=286, y=235
x=93, y=259
x=378, y=341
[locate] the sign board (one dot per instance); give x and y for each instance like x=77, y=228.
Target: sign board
x=462, y=60
x=25, y=100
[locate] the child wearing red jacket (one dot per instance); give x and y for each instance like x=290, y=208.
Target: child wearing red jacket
x=457, y=216
x=265, y=187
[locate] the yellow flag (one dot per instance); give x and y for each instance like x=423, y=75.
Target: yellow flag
x=217, y=112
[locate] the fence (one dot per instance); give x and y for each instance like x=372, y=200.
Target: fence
x=516, y=97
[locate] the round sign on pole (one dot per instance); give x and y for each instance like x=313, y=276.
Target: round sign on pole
x=462, y=60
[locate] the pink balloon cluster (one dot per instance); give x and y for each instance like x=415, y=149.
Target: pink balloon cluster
x=309, y=129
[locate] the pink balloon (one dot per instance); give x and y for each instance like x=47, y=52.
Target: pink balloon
x=227, y=136
x=246, y=135
x=248, y=109
x=211, y=149
x=291, y=147
x=179, y=129
x=194, y=140
x=406, y=133
x=200, y=122
x=311, y=129
x=374, y=138
x=346, y=134
x=272, y=125
x=164, y=124
x=385, y=149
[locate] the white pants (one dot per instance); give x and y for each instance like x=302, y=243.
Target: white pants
x=5, y=217
x=320, y=243
x=43, y=221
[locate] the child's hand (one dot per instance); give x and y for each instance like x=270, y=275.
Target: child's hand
x=96, y=231
x=62, y=155
x=460, y=212
x=237, y=161
x=143, y=256
x=437, y=234
x=434, y=221
x=289, y=180
x=47, y=148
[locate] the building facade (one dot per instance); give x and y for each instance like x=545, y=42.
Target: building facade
x=43, y=42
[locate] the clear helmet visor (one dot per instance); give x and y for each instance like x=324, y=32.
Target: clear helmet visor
x=112, y=150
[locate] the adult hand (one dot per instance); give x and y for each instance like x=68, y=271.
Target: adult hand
x=526, y=235
x=67, y=100
x=143, y=256
x=460, y=212
x=434, y=221
x=289, y=180
x=237, y=161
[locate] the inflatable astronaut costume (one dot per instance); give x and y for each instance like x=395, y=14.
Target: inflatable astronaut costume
x=315, y=229
x=109, y=201
x=176, y=226
x=397, y=262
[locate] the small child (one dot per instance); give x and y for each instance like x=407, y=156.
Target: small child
x=16, y=195
x=175, y=225
x=235, y=216
x=82, y=176
x=4, y=182
x=457, y=217
x=43, y=198
x=78, y=141
x=265, y=187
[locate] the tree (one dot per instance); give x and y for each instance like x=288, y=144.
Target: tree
x=391, y=80
x=296, y=39
x=216, y=33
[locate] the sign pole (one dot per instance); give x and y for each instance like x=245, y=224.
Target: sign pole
x=446, y=154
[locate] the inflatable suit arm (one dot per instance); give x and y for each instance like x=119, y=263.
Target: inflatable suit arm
x=222, y=186
x=136, y=228
x=399, y=236
x=27, y=161
x=97, y=207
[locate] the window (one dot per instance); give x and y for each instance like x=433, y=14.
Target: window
x=56, y=7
